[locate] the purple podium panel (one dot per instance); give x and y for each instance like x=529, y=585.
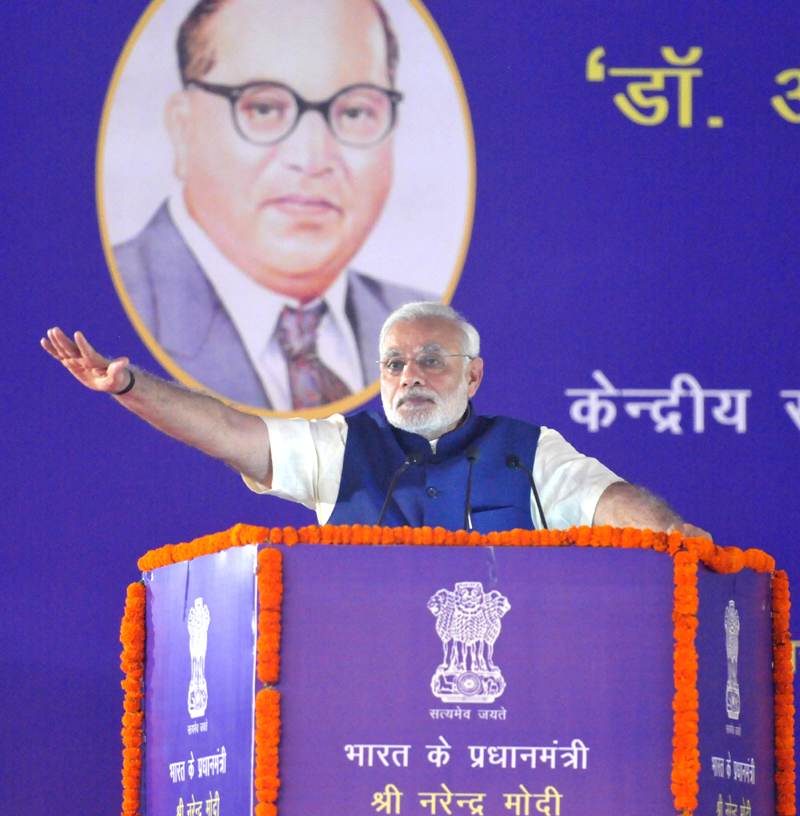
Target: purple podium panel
x=200, y=685
x=737, y=718
x=476, y=681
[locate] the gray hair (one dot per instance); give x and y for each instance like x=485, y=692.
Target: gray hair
x=418, y=310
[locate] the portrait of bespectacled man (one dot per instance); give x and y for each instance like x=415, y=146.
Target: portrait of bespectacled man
x=289, y=185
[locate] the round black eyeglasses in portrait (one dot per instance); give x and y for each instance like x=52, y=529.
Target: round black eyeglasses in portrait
x=264, y=113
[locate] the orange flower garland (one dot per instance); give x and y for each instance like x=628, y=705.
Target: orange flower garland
x=237, y=536
x=784, y=696
x=685, y=755
x=686, y=552
x=720, y=559
x=270, y=595
x=268, y=736
x=268, y=713
x=132, y=636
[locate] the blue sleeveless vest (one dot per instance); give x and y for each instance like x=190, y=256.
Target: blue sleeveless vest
x=433, y=494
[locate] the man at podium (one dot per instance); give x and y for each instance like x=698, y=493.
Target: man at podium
x=428, y=460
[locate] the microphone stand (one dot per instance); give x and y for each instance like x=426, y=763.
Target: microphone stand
x=411, y=459
x=515, y=463
x=473, y=454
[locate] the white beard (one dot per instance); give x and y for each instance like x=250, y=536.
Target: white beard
x=429, y=421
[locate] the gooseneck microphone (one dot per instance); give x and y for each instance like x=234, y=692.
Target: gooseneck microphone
x=411, y=459
x=473, y=454
x=515, y=463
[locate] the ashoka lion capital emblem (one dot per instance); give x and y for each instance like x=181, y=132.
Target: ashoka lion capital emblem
x=468, y=622
x=733, y=700
x=199, y=618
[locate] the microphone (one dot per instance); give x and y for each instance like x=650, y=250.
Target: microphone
x=473, y=454
x=513, y=462
x=411, y=459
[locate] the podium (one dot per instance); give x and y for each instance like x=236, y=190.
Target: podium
x=349, y=670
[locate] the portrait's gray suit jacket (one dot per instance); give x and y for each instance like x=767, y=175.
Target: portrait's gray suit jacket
x=177, y=303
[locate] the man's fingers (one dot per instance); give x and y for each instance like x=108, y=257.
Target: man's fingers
x=61, y=343
x=86, y=364
x=691, y=531
x=118, y=366
x=113, y=378
x=48, y=347
x=86, y=350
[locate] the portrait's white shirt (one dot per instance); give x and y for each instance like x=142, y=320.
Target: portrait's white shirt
x=255, y=310
x=308, y=457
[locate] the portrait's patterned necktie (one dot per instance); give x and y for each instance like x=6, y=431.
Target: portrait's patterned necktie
x=312, y=383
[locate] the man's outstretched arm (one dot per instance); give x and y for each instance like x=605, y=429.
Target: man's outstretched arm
x=626, y=505
x=239, y=439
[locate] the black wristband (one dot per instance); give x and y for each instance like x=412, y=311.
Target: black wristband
x=128, y=387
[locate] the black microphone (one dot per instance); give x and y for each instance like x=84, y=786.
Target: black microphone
x=473, y=454
x=411, y=459
x=515, y=463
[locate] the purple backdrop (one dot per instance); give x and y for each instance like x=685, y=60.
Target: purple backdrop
x=599, y=244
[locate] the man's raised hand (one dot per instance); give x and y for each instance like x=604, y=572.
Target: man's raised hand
x=85, y=364
x=199, y=420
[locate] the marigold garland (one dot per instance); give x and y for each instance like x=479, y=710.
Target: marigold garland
x=784, y=696
x=132, y=637
x=270, y=595
x=268, y=714
x=268, y=736
x=237, y=536
x=686, y=553
x=719, y=559
x=685, y=754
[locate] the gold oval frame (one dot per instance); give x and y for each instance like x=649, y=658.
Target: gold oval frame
x=372, y=389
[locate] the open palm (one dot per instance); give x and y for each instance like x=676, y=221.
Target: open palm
x=85, y=364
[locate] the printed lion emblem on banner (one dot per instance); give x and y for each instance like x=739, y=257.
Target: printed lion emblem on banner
x=468, y=623
x=733, y=700
x=199, y=620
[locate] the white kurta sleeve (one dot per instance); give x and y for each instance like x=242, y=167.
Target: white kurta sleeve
x=569, y=483
x=307, y=461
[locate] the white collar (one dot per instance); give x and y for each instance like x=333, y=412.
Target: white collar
x=253, y=308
